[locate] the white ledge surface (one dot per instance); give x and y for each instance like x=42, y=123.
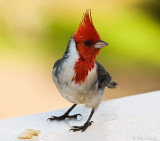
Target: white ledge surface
x=133, y=118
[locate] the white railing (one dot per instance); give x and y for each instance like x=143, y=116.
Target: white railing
x=133, y=118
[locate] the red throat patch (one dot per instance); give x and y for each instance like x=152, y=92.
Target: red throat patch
x=85, y=63
x=82, y=67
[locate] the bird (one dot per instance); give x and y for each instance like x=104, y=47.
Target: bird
x=79, y=78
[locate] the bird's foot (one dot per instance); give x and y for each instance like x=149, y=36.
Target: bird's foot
x=63, y=117
x=81, y=128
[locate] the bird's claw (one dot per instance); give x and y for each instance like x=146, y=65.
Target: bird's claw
x=74, y=116
x=81, y=128
x=63, y=117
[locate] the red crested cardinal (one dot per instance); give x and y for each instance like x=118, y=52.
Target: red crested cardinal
x=79, y=78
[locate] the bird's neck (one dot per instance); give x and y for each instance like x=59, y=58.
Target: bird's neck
x=83, y=66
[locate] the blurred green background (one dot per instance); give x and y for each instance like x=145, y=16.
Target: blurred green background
x=35, y=33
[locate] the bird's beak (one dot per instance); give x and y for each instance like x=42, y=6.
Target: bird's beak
x=100, y=44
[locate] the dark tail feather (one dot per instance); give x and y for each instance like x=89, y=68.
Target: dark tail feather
x=112, y=84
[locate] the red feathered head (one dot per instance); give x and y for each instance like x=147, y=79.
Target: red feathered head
x=86, y=30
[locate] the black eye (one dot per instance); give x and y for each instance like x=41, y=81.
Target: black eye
x=88, y=43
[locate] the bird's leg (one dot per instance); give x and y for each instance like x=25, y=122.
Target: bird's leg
x=85, y=126
x=66, y=115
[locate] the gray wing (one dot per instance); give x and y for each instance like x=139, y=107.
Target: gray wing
x=58, y=63
x=56, y=66
x=104, y=79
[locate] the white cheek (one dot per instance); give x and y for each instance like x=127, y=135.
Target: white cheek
x=68, y=66
x=73, y=51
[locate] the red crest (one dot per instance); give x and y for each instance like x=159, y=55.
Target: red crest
x=86, y=30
